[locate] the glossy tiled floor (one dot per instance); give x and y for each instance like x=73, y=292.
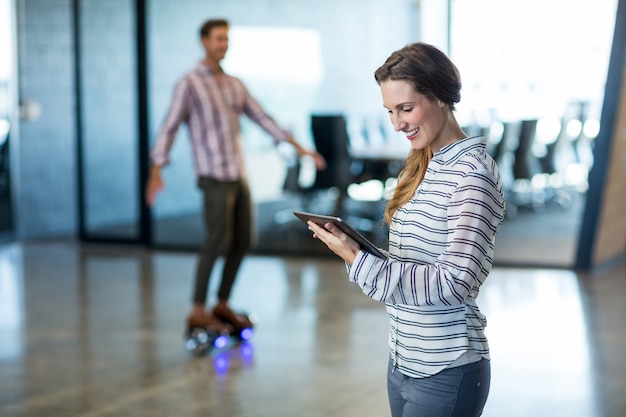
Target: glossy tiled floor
x=97, y=331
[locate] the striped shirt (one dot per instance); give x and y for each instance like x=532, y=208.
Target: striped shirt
x=211, y=110
x=441, y=247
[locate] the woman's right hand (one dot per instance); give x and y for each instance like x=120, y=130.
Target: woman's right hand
x=337, y=241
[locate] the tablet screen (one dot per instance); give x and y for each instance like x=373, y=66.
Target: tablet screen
x=322, y=219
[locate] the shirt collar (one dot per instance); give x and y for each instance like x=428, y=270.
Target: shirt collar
x=455, y=150
x=204, y=69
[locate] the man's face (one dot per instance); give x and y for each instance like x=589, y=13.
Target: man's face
x=216, y=43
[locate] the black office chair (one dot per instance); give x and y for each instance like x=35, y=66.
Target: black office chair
x=503, y=152
x=6, y=212
x=4, y=164
x=375, y=137
x=526, y=163
x=330, y=136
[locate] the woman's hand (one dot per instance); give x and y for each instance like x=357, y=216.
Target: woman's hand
x=337, y=241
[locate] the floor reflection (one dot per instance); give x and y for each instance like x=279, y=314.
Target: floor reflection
x=11, y=303
x=539, y=342
x=98, y=331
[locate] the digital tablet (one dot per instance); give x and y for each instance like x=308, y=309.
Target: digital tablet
x=322, y=219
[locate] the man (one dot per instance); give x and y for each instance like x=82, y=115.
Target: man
x=210, y=102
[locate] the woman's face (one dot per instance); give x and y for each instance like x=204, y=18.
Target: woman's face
x=423, y=121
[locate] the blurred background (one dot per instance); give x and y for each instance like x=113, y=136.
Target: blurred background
x=84, y=87
x=93, y=284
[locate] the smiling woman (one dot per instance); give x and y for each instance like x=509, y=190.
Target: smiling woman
x=443, y=219
x=421, y=119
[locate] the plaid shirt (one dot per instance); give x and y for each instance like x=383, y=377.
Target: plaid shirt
x=441, y=246
x=211, y=110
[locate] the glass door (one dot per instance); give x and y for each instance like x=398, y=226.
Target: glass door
x=108, y=121
x=522, y=89
x=7, y=83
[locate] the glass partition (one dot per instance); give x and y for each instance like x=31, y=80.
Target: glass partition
x=108, y=120
x=533, y=83
x=7, y=82
x=297, y=60
x=533, y=76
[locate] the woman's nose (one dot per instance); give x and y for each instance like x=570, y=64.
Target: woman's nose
x=397, y=122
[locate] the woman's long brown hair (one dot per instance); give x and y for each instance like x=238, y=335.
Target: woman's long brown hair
x=409, y=179
x=432, y=74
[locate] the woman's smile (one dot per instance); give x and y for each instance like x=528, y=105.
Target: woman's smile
x=412, y=134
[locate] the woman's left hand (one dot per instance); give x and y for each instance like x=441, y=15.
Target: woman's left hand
x=337, y=241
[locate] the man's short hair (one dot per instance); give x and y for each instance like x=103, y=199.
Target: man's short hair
x=208, y=26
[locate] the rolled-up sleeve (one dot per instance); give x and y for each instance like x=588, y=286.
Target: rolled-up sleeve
x=468, y=221
x=257, y=114
x=177, y=114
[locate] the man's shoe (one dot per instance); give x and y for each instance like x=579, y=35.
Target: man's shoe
x=237, y=320
x=209, y=322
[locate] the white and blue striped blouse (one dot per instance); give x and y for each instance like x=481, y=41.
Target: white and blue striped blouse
x=441, y=246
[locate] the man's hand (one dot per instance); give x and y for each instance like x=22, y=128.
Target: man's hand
x=154, y=185
x=320, y=162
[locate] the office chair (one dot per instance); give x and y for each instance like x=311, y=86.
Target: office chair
x=6, y=213
x=330, y=136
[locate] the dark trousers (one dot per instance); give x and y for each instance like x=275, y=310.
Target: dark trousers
x=453, y=392
x=228, y=222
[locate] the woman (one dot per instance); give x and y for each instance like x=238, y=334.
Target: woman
x=443, y=218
